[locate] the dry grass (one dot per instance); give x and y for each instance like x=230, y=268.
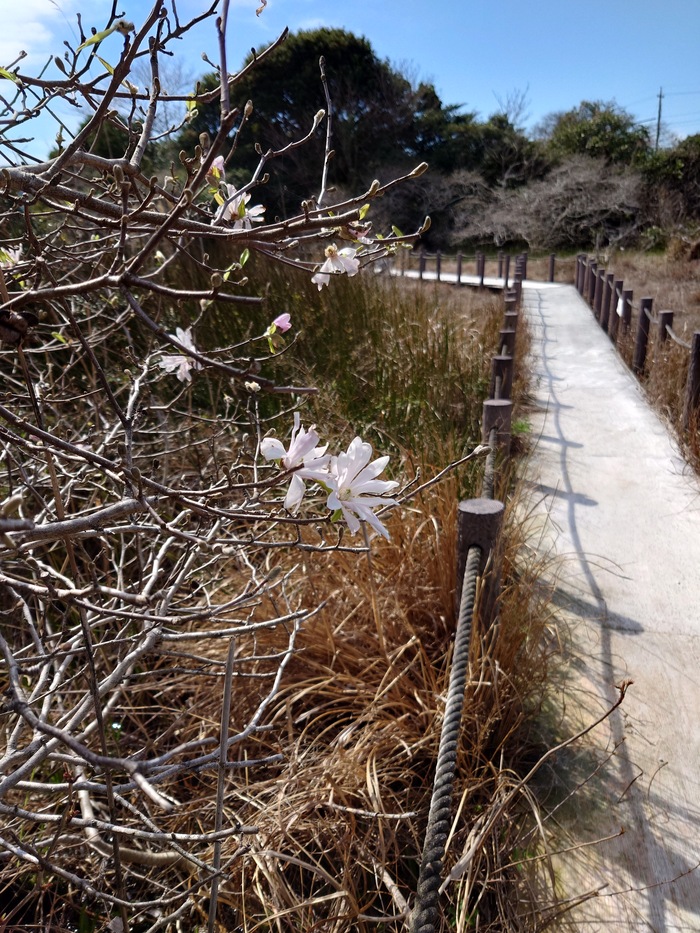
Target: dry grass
x=672, y=280
x=341, y=821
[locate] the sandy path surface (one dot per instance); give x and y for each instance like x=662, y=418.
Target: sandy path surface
x=618, y=511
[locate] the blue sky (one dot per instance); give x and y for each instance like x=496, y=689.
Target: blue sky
x=476, y=52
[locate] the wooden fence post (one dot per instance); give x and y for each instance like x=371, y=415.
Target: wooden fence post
x=692, y=386
x=640, y=347
x=479, y=524
x=507, y=340
x=510, y=316
x=421, y=262
x=459, y=268
x=438, y=265
x=500, y=265
x=607, y=301
x=506, y=271
x=584, y=276
x=497, y=413
x=665, y=320
x=591, y=280
x=598, y=292
x=501, y=376
x=552, y=260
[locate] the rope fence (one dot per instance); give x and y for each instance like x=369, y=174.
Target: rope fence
x=613, y=307
x=478, y=531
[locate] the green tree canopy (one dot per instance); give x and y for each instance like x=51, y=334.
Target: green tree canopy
x=373, y=113
x=672, y=178
x=507, y=158
x=599, y=129
x=442, y=136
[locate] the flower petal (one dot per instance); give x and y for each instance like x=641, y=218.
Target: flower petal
x=295, y=493
x=272, y=449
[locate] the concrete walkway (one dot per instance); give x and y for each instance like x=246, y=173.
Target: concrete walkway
x=617, y=513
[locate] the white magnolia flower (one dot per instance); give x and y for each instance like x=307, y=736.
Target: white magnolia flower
x=179, y=363
x=356, y=489
x=337, y=262
x=304, y=457
x=235, y=208
x=216, y=173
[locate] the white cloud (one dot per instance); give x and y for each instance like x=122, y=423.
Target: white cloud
x=37, y=27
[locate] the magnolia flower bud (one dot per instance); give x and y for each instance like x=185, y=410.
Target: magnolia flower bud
x=418, y=170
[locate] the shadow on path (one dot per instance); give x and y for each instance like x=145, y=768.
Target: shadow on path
x=640, y=866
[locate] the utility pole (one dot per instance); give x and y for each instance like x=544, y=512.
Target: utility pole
x=658, y=120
